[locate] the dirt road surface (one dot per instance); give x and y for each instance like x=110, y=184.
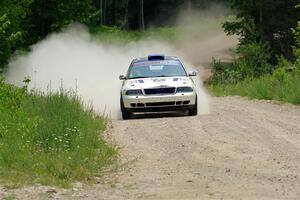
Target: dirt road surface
x=242, y=150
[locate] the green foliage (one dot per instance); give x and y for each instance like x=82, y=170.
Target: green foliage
x=12, y=27
x=10, y=197
x=246, y=29
x=252, y=61
x=266, y=21
x=224, y=73
x=53, y=15
x=7, y=39
x=117, y=35
x=245, y=23
x=10, y=96
x=296, y=32
x=24, y=22
x=282, y=86
x=252, y=76
x=49, y=139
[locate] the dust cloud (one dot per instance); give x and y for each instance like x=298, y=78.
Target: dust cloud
x=202, y=36
x=72, y=59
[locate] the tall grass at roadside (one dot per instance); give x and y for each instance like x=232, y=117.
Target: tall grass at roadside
x=51, y=139
x=281, y=85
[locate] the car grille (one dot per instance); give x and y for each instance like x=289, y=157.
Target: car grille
x=169, y=90
x=171, y=103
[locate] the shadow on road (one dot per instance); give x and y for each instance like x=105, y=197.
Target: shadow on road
x=159, y=115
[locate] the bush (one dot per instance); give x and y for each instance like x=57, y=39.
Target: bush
x=254, y=60
x=251, y=62
x=251, y=75
x=225, y=73
x=7, y=40
x=296, y=32
x=282, y=85
x=49, y=139
x=10, y=96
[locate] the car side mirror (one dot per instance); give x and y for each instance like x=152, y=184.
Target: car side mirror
x=122, y=77
x=193, y=73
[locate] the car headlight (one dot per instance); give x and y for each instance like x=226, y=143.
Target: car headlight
x=134, y=92
x=184, y=89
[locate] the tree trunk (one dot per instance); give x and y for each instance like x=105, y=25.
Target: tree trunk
x=114, y=13
x=103, y=12
x=262, y=21
x=189, y=6
x=126, y=22
x=100, y=8
x=141, y=16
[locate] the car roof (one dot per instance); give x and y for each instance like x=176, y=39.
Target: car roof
x=141, y=59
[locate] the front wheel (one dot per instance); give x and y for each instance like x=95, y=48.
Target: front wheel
x=125, y=113
x=194, y=110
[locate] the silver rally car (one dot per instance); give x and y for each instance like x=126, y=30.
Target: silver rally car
x=157, y=83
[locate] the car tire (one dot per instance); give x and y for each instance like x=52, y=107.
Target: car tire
x=194, y=110
x=125, y=113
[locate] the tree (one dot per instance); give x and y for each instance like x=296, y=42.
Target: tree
x=114, y=12
x=13, y=27
x=126, y=26
x=278, y=18
x=141, y=15
x=103, y=11
x=296, y=33
x=7, y=40
x=189, y=7
x=266, y=21
x=50, y=16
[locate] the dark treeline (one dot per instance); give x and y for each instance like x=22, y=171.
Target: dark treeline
x=137, y=14
x=266, y=21
x=269, y=46
x=24, y=22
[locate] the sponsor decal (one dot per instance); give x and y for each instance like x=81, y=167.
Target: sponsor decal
x=159, y=80
x=133, y=82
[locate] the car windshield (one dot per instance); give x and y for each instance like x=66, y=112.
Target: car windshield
x=147, y=69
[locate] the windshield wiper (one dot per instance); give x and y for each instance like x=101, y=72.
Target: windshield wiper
x=168, y=76
x=163, y=76
x=139, y=77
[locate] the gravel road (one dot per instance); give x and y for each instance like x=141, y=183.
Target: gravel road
x=242, y=150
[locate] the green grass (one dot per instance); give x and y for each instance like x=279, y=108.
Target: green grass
x=280, y=86
x=197, y=28
x=50, y=139
x=10, y=197
x=116, y=35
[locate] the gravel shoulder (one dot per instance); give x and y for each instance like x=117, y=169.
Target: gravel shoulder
x=242, y=150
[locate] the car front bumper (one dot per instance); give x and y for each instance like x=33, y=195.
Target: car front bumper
x=157, y=103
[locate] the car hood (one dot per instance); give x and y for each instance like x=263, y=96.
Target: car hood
x=157, y=82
